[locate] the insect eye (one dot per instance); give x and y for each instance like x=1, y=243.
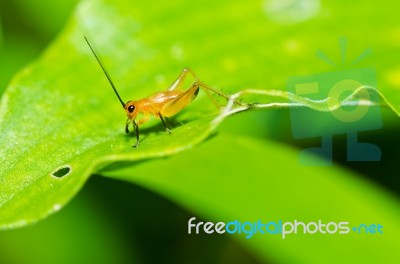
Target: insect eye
x=131, y=108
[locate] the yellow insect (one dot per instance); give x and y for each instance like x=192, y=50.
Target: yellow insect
x=161, y=104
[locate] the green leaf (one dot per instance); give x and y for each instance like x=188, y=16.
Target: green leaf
x=231, y=177
x=60, y=121
x=31, y=190
x=26, y=27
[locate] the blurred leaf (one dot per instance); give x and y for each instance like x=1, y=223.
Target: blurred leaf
x=26, y=28
x=81, y=233
x=233, y=177
x=37, y=14
x=13, y=56
x=1, y=32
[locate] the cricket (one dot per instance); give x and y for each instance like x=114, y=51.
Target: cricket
x=162, y=104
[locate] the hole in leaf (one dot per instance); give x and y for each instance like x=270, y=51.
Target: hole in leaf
x=62, y=171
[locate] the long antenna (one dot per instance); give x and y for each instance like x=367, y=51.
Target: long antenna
x=106, y=73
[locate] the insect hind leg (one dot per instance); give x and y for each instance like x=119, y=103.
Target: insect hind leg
x=197, y=82
x=174, y=106
x=177, y=85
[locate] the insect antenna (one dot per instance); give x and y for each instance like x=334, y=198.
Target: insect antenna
x=105, y=72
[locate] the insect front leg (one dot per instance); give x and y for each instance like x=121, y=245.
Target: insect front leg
x=136, y=129
x=136, y=126
x=128, y=121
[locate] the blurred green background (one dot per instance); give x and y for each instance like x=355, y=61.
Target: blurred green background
x=97, y=226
